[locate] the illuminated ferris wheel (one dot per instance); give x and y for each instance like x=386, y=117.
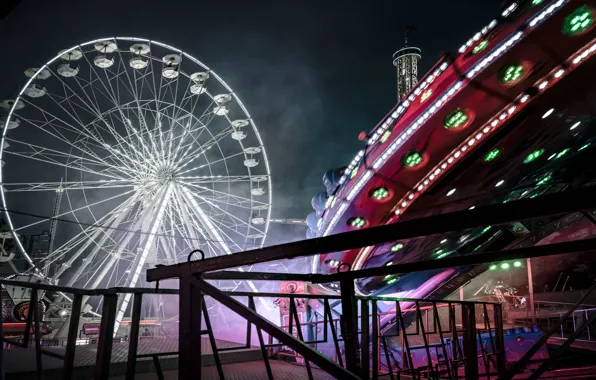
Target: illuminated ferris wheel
x=135, y=153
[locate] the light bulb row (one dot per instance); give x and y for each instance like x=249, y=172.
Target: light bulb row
x=447, y=95
x=423, y=85
x=488, y=129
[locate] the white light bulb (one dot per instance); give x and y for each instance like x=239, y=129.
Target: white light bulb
x=451, y=192
x=575, y=125
x=548, y=113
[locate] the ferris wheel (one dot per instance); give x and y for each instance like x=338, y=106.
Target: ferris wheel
x=131, y=153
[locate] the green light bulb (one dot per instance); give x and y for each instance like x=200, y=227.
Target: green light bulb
x=544, y=180
x=380, y=193
x=481, y=46
x=426, y=95
x=584, y=147
x=492, y=155
x=517, y=264
x=397, y=247
x=492, y=267
x=385, y=136
x=511, y=74
x=533, y=156
x=456, y=119
x=505, y=266
x=537, y=2
x=578, y=21
x=412, y=159
x=562, y=153
x=358, y=222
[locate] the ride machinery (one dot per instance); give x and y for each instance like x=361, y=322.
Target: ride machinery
x=510, y=116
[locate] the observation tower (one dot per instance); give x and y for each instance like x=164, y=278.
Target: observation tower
x=406, y=62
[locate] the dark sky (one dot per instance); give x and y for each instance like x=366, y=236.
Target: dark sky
x=313, y=74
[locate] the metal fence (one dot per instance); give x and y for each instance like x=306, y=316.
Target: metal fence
x=393, y=337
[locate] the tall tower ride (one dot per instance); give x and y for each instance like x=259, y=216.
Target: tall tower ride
x=406, y=61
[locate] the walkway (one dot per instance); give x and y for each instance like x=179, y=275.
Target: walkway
x=20, y=362
x=247, y=371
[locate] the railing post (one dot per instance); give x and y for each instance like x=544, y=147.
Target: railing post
x=2, y=370
x=133, y=338
x=469, y=341
x=364, y=339
x=189, y=359
x=106, y=336
x=34, y=309
x=499, y=338
x=71, y=340
x=350, y=325
x=375, y=343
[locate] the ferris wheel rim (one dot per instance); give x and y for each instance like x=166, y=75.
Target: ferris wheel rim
x=212, y=73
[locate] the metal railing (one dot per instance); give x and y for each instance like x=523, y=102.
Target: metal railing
x=419, y=338
x=194, y=289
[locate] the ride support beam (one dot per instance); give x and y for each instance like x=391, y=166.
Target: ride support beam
x=547, y=205
x=587, y=245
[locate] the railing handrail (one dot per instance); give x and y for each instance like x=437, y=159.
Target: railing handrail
x=124, y=290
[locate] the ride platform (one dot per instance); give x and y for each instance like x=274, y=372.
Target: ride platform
x=20, y=363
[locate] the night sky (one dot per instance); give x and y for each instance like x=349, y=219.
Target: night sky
x=313, y=74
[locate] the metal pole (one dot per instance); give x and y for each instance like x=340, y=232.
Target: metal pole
x=500, y=339
x=461, y=293
x=376, y=342
x=73, y=330
x=2, y=370
x=364, y=339
x=350, y=325
x=133, y=338
x=34, y=309
x=469, y=341
x=531, y=289
x=106, y=337
x=189, y=359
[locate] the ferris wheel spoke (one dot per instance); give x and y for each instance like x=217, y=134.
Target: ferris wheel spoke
x=198, y=127
x=227, y=238
x=204, y=147
x=55, y=134
x=51, y=159
x=37, y=150
x=210, y=163
x=217, y=209
x=210, y=228
x=88, y=209
x=155, y=216
x=60, y=215
x=167, y=250
x=90, y=234
x=111, y=95
x=120, y=214
x=92, y=106
x=65, y=185
x=211, y=179
x=55, y=122
x=222, y=194
x=135, y=93
x=224, y=198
